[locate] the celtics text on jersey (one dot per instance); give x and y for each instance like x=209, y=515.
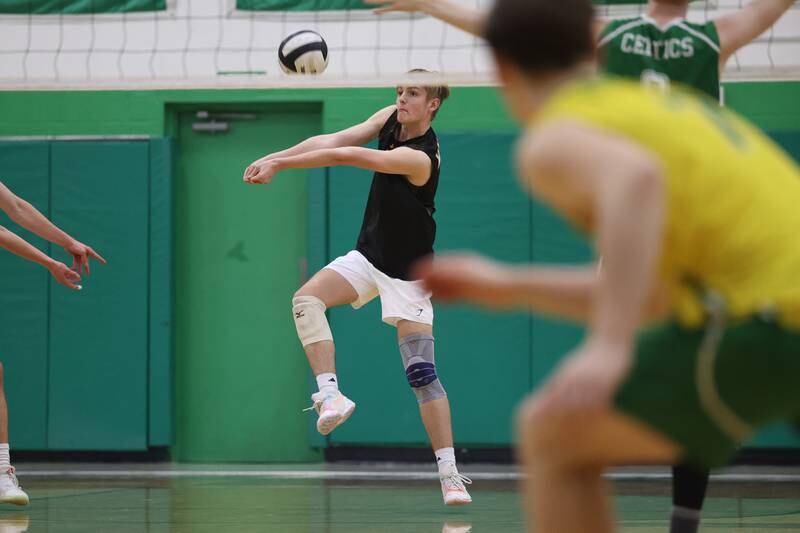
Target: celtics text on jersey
x=681, y=51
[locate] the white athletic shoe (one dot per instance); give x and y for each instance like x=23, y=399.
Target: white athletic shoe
x=333, y=410
x=10, y=492
x=453, y=490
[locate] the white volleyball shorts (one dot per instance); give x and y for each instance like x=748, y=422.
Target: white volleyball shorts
x=400, y=299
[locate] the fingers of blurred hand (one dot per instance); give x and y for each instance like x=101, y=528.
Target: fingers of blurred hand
x=422, y=269
x=261, y=178
x=71, y=275
x=96, y=255
x=68, y=278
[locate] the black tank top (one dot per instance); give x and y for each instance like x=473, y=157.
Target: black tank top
x=398, y=226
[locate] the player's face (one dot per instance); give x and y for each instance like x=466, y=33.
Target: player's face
x=413, y=104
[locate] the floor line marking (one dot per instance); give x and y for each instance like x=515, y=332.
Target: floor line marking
x=360, y=475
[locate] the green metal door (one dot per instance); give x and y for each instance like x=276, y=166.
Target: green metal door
x=240, y=251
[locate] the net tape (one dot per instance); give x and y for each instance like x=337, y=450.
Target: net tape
x=210, y=43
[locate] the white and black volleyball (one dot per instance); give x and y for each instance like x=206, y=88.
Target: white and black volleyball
x=303, y=52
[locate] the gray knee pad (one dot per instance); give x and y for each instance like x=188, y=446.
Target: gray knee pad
x=418, y=360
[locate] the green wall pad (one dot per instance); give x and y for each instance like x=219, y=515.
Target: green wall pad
x=80, y=363
x=299, y=5
x=78, y=7
x=25, y=169
x=317, y=5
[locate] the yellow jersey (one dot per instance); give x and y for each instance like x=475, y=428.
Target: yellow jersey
x=733, y=196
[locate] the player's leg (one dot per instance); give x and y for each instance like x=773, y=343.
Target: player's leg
x=414, y=339
x=691, y=392
x=407, y=306
x=689, y=485
x=564, y=457
x=10, y=491
x=326, y=289
x=564, y=461
x=417, y=350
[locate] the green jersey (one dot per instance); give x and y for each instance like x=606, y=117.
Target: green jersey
x=681, y=51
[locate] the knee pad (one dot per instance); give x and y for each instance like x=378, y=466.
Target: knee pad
x=309, y=319
x=418, y=360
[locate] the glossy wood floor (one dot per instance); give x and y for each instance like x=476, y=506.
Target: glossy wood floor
x=239, y=503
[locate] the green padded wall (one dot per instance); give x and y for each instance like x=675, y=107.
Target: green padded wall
x=25, y=169
x=98, y=336
x=78, y=7
x=91, y=370
x=480, y=206
x=553, y=241
x=161, y=279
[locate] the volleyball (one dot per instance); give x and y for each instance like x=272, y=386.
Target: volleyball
x=303, y=52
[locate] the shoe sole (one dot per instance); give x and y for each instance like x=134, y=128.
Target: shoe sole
x=457, y=503
x=326, y=425
x=17, y=500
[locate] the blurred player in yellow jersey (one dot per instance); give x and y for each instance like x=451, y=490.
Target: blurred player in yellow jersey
x=658, y=47
x=693, y=335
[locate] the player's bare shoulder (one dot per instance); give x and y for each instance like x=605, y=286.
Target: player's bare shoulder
x=380, y=117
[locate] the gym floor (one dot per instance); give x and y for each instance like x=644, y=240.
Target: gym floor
x=356, y=498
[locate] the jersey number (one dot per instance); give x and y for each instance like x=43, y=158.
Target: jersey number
x=653, y=78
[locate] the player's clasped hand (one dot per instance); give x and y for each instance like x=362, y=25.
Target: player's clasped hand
x=65, y=275
x=261, y=171
x=80, y=256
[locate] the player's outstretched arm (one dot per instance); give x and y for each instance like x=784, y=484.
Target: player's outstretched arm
x=17, y=245
x=566, y=292
x=353, y=136
x=414, y=164
x=741, y=27
x=27, y=216
x=466, y=18
x=456, y=14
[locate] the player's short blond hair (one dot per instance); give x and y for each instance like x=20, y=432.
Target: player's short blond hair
x=442, y=92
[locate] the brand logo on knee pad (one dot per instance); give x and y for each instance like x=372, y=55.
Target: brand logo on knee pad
x=299, y=314
x=421, y=374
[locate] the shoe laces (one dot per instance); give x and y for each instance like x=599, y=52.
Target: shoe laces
x=316, y=405
x=456, y=480
x=318, y=400
x=12, y=475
